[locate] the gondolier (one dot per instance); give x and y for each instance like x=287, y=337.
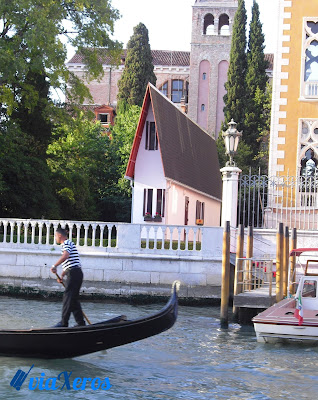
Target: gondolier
x=72, y=270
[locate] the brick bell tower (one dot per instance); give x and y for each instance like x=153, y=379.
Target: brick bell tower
x=212, y=22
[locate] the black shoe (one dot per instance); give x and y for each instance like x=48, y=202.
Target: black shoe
x=60, y=325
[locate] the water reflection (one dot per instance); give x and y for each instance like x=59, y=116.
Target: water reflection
x=196, y=359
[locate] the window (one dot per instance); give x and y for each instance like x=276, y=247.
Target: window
x=151, y=142
x=224, y=25
x=164, y=89
x=177, y=90
x=103, y=118
x=161, y=194
x=309, y=288
x=202, y=107
x=199, y=215
x=208, y=28
x=204, y=76
x=160, y=201
x=309, y=82
x=148, y=195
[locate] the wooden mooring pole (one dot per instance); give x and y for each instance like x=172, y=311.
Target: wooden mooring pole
x=249, y=254
x=238, y=276
x=279, y=261
x=293, y=262
x=286, y=261
x=225, y=289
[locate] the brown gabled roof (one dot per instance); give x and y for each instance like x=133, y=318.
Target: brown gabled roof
x=159, y=57
x=188, y=153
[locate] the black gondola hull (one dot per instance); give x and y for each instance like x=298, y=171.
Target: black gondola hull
x=77, y=341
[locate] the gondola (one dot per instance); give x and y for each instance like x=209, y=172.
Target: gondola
x=77, y=341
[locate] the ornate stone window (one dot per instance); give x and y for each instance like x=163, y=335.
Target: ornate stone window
x=308, y=138
x=309, y=79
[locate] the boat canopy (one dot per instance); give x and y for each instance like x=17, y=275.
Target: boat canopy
x=298, y=252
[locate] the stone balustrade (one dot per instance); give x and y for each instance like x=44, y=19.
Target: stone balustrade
x=118, y=258
x=110, y=236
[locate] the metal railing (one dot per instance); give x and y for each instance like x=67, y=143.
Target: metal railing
x=266, y=201
x=253, y=274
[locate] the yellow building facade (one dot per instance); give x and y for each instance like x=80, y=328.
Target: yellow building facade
x=294, y=125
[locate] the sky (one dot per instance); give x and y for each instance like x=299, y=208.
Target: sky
x=169, y=23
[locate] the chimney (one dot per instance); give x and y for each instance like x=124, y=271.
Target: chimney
x=183, y=105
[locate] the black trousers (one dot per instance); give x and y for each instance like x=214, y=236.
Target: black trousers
x=71, y=304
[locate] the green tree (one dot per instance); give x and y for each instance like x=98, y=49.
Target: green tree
x=25, y=187
x=139, y=69
x=256, y=79
x=117, y=193
x=235, y=85
x=77, y=160
x=264, y=101
x=34, y=36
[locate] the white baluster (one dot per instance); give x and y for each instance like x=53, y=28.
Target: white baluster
x=186, y=245
x=5, y=225
x=26, y=227
x=147, y=236
x=109, y=240
x=19, y=233
x=171, y=235
x=40, y=232
x=11, y=231
x=179, y=238
x=86, y=226
x=70, y=231
x=78, y=233
x=33, y=232
x=55, y=226
x=155, y=238
x=48, y=228
x=93, y=234
x=195, y=231
x=101, y=235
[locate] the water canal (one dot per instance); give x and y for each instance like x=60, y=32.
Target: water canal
x=196, y=359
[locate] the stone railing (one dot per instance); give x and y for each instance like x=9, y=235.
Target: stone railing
x=113, y=237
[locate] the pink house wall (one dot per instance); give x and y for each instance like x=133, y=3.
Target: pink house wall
x=175, y=201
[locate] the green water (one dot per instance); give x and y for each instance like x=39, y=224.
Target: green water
x=196, y=359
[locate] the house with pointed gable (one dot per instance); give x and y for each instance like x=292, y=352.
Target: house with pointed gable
x=174, y=167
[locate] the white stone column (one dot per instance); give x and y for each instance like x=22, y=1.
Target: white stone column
x=230, y=177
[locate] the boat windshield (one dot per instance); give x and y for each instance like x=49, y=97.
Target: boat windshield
x=309, y=288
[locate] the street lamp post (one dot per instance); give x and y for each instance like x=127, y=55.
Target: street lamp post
x=230, y=175
x=231, y=139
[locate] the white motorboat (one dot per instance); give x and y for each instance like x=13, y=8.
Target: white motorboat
x=296, y=317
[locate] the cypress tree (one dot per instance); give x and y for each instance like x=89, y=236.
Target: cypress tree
x=139, y=69
x=256, y=80
x=235, y=86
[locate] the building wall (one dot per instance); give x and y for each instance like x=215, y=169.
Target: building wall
x=105, y=90
x=213, y=48
x=175, y=200
x=148, y=174
x=290, y=106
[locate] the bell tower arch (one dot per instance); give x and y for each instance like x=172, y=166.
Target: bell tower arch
x=212, y=22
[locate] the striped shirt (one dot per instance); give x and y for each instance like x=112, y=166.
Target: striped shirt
x=73, y=261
